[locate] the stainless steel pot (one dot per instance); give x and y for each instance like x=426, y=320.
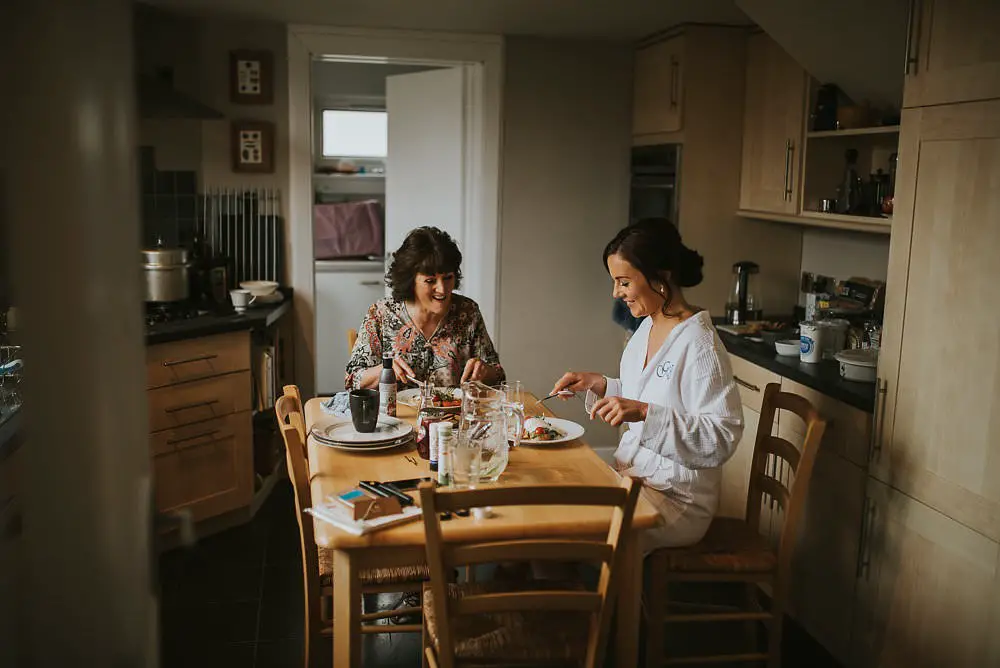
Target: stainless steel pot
x=166, y=274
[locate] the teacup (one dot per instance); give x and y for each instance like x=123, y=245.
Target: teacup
x=241, y=299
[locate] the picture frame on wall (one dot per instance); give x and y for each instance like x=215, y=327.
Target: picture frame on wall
x=251, y=76
x=252, y=147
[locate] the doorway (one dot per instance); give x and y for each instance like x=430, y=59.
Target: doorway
x=448, y=87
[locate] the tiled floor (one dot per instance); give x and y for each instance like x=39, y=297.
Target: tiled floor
x=235, y=601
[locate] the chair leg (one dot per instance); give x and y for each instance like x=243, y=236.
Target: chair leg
x=775, y=631
x=656, y=612
x=423, y=645
x=750, y=604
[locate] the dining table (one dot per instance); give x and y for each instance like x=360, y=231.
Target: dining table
x=334, y=470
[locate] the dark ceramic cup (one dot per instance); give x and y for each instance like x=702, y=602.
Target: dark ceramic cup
x=364, y=410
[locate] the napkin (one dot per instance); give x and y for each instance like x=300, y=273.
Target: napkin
x=339, y=405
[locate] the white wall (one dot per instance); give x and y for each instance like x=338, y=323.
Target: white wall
x=333, y=79
x=845, y=254
x=564, y=194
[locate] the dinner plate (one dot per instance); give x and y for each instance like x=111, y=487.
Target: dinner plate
x=411, y=397
x=341, y=431
x=571, y=430
x=361, y=446
x=369, y=448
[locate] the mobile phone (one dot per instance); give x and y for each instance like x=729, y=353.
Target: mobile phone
x=405, y=485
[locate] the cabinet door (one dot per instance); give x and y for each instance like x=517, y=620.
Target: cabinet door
x=736, y=472
x=941, y=350
x=927, y=588
x=342, y=301
x=657, y=94
x=954, y=55
x=824, y=564
x=773, y=128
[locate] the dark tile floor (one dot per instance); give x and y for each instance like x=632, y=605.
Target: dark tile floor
x=235, y=601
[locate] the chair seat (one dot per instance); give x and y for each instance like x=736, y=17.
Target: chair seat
x=373, y=576
x=729, y=546
x=512, y=638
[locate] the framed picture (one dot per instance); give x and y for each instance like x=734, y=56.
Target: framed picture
x=251, y=77
x=253, y=146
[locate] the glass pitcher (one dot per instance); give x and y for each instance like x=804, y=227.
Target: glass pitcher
x=486, y=415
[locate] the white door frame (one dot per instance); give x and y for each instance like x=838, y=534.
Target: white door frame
x=482, y=56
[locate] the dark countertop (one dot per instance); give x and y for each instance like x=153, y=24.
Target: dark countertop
x=823, y=377
x=219, y=322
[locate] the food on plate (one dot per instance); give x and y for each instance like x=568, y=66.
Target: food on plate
x=758, y=326
x=539, y=429
x=445, y=398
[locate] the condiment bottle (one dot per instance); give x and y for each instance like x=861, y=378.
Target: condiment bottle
x=434, y=438
x=446, y=440
x=387, y=388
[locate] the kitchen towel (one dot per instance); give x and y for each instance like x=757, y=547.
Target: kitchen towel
x=338, y=405
x=348, y=229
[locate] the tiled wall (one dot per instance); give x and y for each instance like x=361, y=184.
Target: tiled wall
x=169, y=202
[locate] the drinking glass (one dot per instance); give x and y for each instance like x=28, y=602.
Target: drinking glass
x=514, y=392
x=589, y=400
x=466, y=461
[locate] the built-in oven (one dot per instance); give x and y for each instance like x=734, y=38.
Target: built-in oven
x=654, y=184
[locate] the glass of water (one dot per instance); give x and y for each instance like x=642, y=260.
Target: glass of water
x=466, y=461
x=589, y=400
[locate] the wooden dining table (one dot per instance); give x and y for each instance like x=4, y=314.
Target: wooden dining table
x=333, y=470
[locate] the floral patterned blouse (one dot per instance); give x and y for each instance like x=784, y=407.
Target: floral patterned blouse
x=388, y=328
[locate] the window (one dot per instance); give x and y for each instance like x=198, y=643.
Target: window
x=355, y=134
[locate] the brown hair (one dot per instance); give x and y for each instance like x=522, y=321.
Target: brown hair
x=425, y=250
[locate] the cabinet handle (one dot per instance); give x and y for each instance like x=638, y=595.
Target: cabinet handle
x=875, y=447
x=175, y=441
x=197, y=404
x=371, y=283
x=864, y=550
x=199, y=358
x=674, y=72
x=743, y=383
x=911, y=42
x=786, y=194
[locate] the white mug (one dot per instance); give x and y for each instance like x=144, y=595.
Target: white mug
x=241, y=299
x=811, y=342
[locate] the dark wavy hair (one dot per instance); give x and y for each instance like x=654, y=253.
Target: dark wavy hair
x=654, y=247
x=425, y=250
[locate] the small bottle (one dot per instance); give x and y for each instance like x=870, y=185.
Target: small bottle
x=446, y=439
x=435, y=436
x=387, y=388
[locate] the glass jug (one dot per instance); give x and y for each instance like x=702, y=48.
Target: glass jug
x=486, y=415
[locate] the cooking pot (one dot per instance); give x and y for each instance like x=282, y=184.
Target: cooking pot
x=166, y=274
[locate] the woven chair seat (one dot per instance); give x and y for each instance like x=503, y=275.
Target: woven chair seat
x=729, y=546
x=519, y=638
x=373, y=576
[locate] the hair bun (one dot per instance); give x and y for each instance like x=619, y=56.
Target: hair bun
x=689, y=264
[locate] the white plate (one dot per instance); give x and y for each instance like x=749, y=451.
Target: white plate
x=274, y=298
x=360, y=446
x=341, y=430
x=370, y=448
x=572, y=430
x=411, y=397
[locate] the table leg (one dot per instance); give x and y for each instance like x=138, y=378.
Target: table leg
x=346, y=611
x=629, y=604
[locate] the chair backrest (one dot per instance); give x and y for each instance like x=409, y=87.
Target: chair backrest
x=776, y=461
x=442, y=557
x=352, y=338
x=288, y=409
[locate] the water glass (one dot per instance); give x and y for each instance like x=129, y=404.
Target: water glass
x=589, y=400
x=466, y=461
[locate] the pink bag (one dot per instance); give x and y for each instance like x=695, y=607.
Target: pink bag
x=348, y=229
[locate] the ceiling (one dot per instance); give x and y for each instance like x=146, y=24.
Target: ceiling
x=600, y=19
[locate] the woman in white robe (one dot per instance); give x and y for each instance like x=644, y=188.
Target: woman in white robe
x=675, y=391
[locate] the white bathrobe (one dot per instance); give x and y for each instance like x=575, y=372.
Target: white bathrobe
x=694, y=422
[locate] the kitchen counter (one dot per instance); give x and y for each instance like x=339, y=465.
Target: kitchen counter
x=219, y=322
x=823, y=377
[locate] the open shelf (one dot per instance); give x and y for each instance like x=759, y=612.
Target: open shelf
x=349, y=177
x=877, y=130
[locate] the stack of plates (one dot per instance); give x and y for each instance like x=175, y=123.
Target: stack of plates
x=339, y=433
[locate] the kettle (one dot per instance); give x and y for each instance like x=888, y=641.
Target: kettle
x=744, y=302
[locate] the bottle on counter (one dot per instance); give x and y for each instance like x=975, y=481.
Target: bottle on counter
x=435, y=438
x=387, y=388
x=446, y=440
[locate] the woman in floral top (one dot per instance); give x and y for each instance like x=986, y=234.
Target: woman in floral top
x=431, y=333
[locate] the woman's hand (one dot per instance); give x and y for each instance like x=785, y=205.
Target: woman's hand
x=616, y=410
x=403, y=371
x=476, y=369
x=577, y=382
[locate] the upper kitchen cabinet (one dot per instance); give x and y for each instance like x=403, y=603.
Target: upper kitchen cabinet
x=940, y=358
x=658, y=88
x=953, y=54
x=773, y=129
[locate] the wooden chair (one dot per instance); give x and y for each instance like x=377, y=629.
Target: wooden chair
x=734, y=550
x=352, y=338
x=317, y=564
x=543, y=622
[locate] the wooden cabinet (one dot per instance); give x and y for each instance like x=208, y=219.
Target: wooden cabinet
x=736, y=471
x=939, y=435
x=658, y=90
x=927, y=588
x=954, y=53
x=201, y=436
x=773, y=128
x=824, y=565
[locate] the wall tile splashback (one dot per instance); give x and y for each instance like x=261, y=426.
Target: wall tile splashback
x=169, y=201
